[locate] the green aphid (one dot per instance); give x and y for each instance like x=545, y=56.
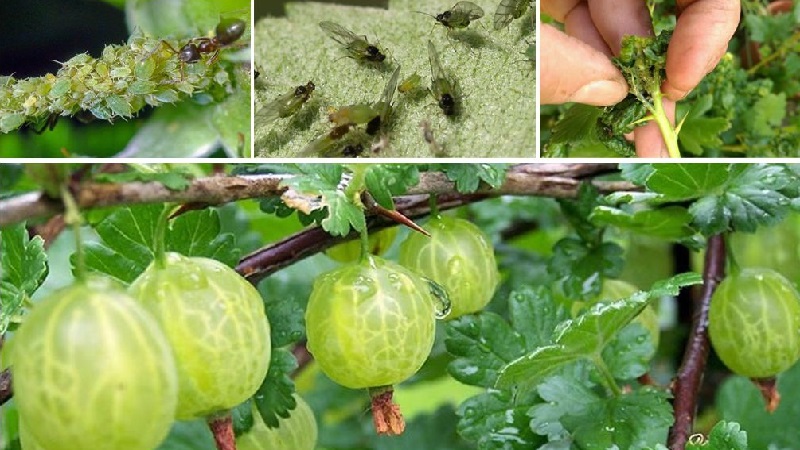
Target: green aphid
x=409, y=84
x=356, y=47
x=459, y=16
x=443, y=88
x=384, y=106
x=509, y=10
x=286, y=105
x=328, y=143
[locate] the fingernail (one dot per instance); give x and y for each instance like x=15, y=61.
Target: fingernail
x=600, y=93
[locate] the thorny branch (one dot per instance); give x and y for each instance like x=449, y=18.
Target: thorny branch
x=547, y=180
x=690, y=375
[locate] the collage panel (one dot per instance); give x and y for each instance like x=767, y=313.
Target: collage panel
x=395, y=79
x=132, y=79
x=467, y=306
x=610, y=79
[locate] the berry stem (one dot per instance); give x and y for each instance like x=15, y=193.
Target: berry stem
x=434, y=204
x=222, y=429
x=385, y=413
x=364, y=244
x=73, y=218
x=159, y=236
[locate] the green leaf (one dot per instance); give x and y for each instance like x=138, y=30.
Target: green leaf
x=499, y=108
x=768, y=114
x=193, y=435
x=580, y=267
x=751, y=198
x=535, y=315
x=274, y=398
x=724, y=436
x=126, y=247
x=385, y=181
x=699, y=132
x=738, y=400
x=483, y=344
x=342, y=214
x=468, y=177
x=496, y=421
x=23, y=268
x=231, y=118
x=174, y=181
x=175, y=131
x=286, y=317
x=242, y=416
x=579, y=123
x=586, y=336
x=679, y=182
x=629, y=353
x=672, y=222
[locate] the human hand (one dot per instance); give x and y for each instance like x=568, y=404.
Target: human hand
x=576, y=65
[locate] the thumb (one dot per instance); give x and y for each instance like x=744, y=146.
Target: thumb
x=572, y=71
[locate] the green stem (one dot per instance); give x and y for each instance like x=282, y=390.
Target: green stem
x=433, y=201
x=358, y=182
x=667, y=132
x=608, y=379
x=73, y=218
x=364, y=245
x=160, y=237
x=733, y=267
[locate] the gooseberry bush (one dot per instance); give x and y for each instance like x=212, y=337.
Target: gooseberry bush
x=395, y=306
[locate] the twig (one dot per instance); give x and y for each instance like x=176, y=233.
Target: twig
x=546, y=180
x=690, y=375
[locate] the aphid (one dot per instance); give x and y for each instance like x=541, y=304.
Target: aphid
x=509, y=10
x=409, y=84
x=287, y=104
x=357, y=47
x=358, y=114
x=383, y=106
x=459, y=16
x=324, y=144
x=442, y=88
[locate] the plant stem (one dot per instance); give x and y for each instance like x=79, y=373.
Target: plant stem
x=222, y=429
x=364, y=245
x=608, y=378
x=667, y=132
x=434, y=205
x=74, y=219
x=160, y=237
x=779, y=52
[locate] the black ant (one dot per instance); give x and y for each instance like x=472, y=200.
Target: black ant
x=227, y=32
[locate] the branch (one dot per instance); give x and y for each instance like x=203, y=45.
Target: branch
x=6, y=388
x=547, y=180
x=690, y=375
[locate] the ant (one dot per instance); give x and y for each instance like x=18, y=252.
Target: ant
x=227, y=32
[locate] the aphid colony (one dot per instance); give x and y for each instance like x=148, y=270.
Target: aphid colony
x=119, y=83
x=374, y=118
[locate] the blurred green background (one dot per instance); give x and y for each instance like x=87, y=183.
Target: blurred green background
x=275, y=7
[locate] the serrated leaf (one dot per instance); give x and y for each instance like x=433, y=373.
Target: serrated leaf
x=586, y=336
x=312, y=178
x=561, y=395
x=468, y=177
x=495, y=421
x=342, y=214
x=534, y=315
x=482, y=344
x=126, y=247
x=242, y=416
x=23, y=268
x=275, y=396
x=174, y=181
x=580, y=267
x=767, y=114
x=579, y=123
x=672, y=222
x=286, y=318
x=724, y=436
x=385, y=181
x=636, y=173
x=698, y=132
x=751, y=198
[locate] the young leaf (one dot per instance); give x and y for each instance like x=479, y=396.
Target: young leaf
x=126, y=246
x=468, y=177
x=342, y=214
x=23, y=268
x=672, y=222
x=724, y=436
x=699, y=132
x=275, y=396
x=385, y=181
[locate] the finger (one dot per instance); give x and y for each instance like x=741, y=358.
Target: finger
x=558, y=9
x=648, y=139
x=700, y=39
x=578, y=24
x=618, y=18
x=572, y=71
